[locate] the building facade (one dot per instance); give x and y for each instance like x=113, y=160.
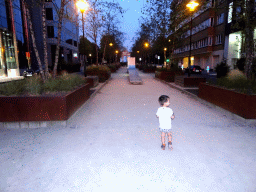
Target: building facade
x=234, y=39
x=69, y=34
x=13, y=42
x=207, y=36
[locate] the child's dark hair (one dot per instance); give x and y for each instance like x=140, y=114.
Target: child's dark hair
x=163, y=99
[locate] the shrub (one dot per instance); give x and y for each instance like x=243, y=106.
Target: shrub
x=236, y=74
x=149, y=68
x=238, y=84
x=12, y=88
x=222, y=69
x=175, y=69
x=65, y=82
x=240, y=64
x=112, y=67
x=34, y=85
x=102, y=71
x=92, y=70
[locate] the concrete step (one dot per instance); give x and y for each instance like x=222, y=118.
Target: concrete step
x=134, y=77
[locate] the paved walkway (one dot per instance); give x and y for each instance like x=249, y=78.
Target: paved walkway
x=112, y=144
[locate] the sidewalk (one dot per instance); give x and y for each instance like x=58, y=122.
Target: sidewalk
x=113, y=144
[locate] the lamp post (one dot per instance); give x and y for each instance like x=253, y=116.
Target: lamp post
x=116, y=55
x=146, y=45
x=192, y=5
x=165, y=49
x=90, y=55
x=82, y=6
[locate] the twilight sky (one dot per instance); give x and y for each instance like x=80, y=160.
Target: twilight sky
x=130, y=22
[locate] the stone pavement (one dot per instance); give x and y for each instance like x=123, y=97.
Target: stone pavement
x=112, y=144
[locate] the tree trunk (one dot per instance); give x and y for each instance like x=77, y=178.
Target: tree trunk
x=45, y=40
x=34, y=43
x=97, y=55
x=104, y=50
x=61, y=14
x=249, y=30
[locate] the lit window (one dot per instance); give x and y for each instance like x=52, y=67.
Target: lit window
x=218, y=40
x=210, y=41
x=220, y=18
x=230, y=10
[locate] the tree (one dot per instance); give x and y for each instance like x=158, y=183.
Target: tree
x=94, y=25
x=34, y=41
x=110, y=16
x=61, y=15
x=85, y=46
x=44, y=39
x=250, y=24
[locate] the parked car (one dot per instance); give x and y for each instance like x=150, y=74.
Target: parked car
x=194, y=69
x=28, y=73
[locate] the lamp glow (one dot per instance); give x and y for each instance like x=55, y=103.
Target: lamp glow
x=82, y=5
x=192, y=5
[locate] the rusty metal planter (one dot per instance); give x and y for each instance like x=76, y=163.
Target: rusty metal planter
x=238, y=103
x=42, y=108
x=193, y=81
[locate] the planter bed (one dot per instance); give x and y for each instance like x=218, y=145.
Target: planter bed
x=42, y=108
x=238, y=103
x=92, y=80
x=168, y=76
x=193, y=81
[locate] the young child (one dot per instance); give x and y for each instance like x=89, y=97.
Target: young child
x=165, y=115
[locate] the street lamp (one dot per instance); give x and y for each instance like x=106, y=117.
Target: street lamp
x=90, y=55
x=165, y=49
x=192, y=5
x=110, y=44
x=146, y=45
x=116, y=55
x=82, y=6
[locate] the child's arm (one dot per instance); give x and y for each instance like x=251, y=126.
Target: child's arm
x=172, y=117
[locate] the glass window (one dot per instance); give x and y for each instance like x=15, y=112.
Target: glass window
x=218, y=40
x=49, y=15
x=230, y=11
x=50, y=31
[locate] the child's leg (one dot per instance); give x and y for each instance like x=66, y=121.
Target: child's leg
x=169, y=136
x=163, y=137
x=170, y=140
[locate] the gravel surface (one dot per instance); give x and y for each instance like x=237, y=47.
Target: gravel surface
x=113, y=144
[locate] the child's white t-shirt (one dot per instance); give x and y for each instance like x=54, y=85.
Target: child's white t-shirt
x=164, y=114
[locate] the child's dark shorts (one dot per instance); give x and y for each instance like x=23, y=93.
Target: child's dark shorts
x=165, y=130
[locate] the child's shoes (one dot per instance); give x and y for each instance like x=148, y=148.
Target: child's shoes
x=163, y=146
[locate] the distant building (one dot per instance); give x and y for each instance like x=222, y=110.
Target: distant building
x=234, y=40
x=69, y=35
x=208, y=34
x=125, y=54
x=15, y=38
x=13, y=42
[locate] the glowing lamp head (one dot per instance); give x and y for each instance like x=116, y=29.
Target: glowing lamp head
x=165, y=49
x=192, y=5
x=146, y=44
x=110, y=44
x=82, y=5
